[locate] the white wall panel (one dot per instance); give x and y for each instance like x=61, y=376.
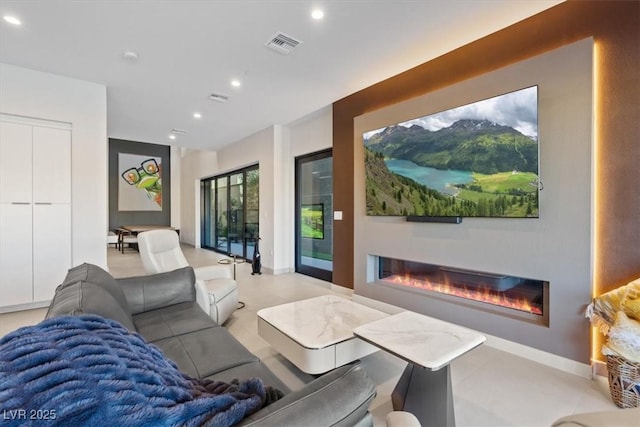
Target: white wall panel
x=30, y=93
x=16, y=266
x=51, y=248
x=51, y=165
x=15, y=162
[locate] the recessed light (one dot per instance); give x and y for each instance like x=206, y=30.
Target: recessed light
x=130, y=56
x=197, y=115
x=235, y=83
x=12, y=20
x=317, y=14
x=172, y=136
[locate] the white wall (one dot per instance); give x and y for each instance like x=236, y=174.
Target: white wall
x=312, y=133
x=555, y=247
x=256, y=149
x=274, y=149
x=194, y=165
x=176, y=172
x=262, y=148
x=40, y=95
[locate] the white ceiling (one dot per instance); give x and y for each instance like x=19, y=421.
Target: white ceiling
x=189, y=49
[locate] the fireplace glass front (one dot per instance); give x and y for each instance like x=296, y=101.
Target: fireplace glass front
x=509, y=295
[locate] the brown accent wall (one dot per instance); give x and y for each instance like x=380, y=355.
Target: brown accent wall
x=615, y=27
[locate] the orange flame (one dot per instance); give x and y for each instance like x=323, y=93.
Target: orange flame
x=482, y=294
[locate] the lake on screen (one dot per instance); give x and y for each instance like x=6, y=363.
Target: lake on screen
x=436, y=179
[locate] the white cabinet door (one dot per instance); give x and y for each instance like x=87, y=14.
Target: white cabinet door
x=16, y=268
x=51, y=248
x=51, y=165
x=15, y=162
x=35, y=211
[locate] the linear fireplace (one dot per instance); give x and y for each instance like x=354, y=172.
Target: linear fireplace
x=516, y=297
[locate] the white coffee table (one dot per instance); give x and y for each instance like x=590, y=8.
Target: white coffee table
x=316, y=334
x=429, y=345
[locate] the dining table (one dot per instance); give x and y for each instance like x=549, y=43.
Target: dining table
x=127, y=234
x=135, y=229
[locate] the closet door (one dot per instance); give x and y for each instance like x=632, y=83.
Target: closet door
x=35, y=210
x=15, y=163
x=16, y=264
x=51, y=248
x=51, y=165
x=51, y=209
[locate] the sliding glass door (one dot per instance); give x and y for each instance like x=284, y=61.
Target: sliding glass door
x=230, y=206
x=314, y=215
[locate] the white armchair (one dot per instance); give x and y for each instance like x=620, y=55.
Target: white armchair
x=401, y=419
x=216, y=290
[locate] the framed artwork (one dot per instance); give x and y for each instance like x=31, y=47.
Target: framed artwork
x=139, y=182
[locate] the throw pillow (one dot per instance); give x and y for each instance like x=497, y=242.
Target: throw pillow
x=602, y=311
x=632, y=308
x=624, y=337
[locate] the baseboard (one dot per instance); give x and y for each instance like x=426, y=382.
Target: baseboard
x=23, y=307
x=548, y=359
x=599, y=368
x=276, y=271
x=342, y=290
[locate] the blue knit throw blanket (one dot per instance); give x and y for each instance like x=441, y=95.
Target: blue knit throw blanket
x=87, y=370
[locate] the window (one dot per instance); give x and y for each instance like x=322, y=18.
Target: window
x=230, y=207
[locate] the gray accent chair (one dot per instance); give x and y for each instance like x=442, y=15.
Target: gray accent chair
x=216, y=289
x=162, y=308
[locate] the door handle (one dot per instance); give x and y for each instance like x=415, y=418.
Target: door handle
x=20, y=203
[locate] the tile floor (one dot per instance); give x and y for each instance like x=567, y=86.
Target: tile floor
x=491, y=388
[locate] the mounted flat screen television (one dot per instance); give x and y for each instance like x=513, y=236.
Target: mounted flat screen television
x=476, y=160
x=312, y=224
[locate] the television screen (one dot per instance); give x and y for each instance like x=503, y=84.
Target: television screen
x=477, y=160
x=312, y=225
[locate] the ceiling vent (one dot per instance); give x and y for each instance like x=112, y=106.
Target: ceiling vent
x=218, y=97
x=176, y=131
x=282, y=43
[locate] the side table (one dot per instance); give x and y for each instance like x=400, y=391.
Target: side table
x=235, y=261
x=428, y=345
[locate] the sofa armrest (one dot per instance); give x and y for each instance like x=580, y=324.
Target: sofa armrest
x=210, y=272
x=202, y=297
x=144, y=293
x=339, y=398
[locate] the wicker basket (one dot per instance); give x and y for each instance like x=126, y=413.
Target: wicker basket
x=624, y=381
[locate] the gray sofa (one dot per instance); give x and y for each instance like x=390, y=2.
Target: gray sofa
x=163, y=309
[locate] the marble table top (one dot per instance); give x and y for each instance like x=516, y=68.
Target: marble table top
x=419, y=339
x=319, y=322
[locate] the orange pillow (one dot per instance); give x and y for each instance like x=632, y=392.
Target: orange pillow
x=632, y=308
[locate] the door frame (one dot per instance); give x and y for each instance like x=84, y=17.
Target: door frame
x=208, y=224
x=299, y=267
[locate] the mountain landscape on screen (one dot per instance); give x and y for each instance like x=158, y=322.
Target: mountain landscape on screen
x=472, y=167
